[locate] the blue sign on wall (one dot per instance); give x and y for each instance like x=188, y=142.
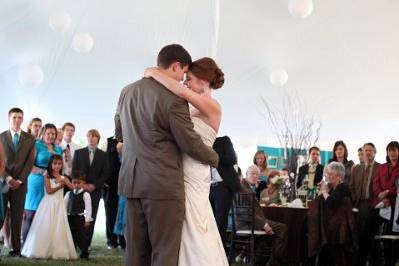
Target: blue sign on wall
x=276, y=156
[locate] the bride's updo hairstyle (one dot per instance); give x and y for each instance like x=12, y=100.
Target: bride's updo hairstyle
x=206, y=69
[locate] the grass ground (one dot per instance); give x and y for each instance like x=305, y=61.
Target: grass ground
x=98, y=256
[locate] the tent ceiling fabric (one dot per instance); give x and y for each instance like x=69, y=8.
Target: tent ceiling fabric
x=342, y=59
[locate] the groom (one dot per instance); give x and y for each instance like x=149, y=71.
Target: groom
x=155, y=127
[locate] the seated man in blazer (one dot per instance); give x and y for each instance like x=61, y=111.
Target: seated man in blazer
x=93, y=162
x=277, y=230
x=313, y=169
x=252, y=178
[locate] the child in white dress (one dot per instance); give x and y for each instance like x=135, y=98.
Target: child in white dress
x=50, y=237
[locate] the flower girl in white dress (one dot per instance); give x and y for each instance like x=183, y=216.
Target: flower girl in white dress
x=49, y=236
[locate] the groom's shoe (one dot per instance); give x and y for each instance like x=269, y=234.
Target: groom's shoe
x=84, y=255
x=14, y=253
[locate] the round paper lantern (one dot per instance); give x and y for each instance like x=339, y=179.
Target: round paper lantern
x=300, y=8
x=30, y=75
x=60, y=22
x=278, y=77
x=82, y=43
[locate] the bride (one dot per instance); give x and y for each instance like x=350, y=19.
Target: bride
x=201, y=244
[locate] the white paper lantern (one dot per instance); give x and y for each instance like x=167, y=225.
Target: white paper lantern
x=30, y=75
x=278, y=77
x=82, y=43
x=300, y=8
x=60, y=22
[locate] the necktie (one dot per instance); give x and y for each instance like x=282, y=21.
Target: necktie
x=369, y=180
x=15, y=141
x=91, y=156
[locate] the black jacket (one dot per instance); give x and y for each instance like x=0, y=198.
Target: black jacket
x=304, y=170
x=96, y=172
x=227, y=160
x=114, y=163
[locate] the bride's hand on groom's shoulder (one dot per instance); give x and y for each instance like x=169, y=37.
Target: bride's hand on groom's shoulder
x=149, y=72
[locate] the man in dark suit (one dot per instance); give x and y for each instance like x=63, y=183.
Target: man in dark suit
x=313, y=169
x=110, y=194
x=93, y=162
x=361, y=186
x=156, y=128
x=221, y=194
x=277, y=230
x=19, y=149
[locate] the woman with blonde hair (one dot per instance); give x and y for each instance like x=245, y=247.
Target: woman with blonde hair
x=260, y=160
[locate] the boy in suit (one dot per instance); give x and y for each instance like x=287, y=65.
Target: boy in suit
x=78, y=204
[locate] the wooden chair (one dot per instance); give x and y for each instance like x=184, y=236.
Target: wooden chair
x=244, y=239
x=380, y=239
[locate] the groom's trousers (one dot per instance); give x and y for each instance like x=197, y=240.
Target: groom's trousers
x=153, y=231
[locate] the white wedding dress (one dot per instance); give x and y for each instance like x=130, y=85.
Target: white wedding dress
x=49, y=236
x=201, y=244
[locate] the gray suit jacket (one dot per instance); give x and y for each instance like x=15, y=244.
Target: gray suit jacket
x=156, y=128
x=358, y=184
x=19, y=163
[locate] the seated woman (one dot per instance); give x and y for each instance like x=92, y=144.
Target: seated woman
x=337, y=218
x=270, y=194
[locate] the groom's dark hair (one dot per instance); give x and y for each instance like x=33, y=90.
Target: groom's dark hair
x=173, y=53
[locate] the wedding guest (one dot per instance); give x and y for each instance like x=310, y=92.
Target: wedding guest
x=340, y=154
x=360, y=155
x=338, y=227
x=277, y=230
x=110, y=193
x=2, y=183
x=252, y=178
x=385, y=191
x=3, y=209
x=19, y=149
x=313, y=169
x=260, y=160
x=78, y=205
x=270, y=195
x=58, y=138
x=221, y=193
x=93, y=162
x=45, y=148
x=120, y=222
x=49, y=236
x=361, y=187
x=68, y=146
x=34, y=126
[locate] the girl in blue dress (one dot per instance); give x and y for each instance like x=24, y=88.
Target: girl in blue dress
x=45, y=148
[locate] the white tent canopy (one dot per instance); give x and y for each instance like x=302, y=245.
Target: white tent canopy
x=342, y=60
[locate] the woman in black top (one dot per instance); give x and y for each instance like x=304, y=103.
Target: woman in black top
x=340, y=154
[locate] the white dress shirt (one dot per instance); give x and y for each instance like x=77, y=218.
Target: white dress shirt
x=68, y=165
x=86, y=198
